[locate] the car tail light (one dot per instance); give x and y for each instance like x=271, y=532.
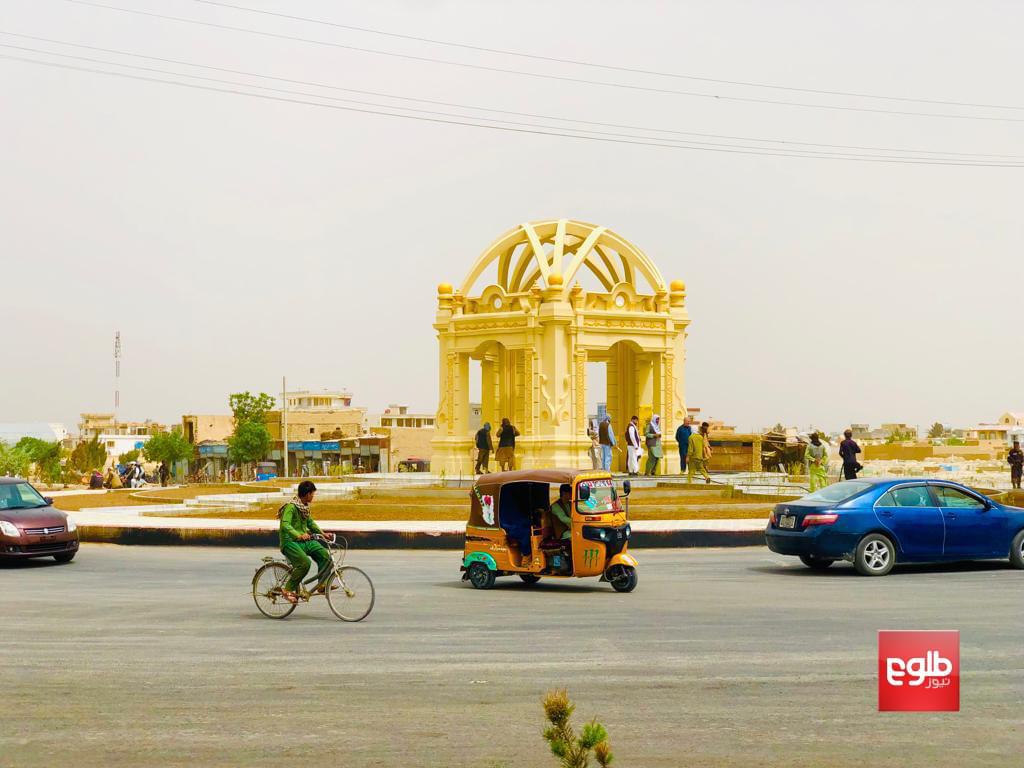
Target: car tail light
x=823, y=519
x=771, y=517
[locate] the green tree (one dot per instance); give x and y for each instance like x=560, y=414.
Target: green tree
x=129, y=456
x=45, y=455
x=168, y=447
x=88, y=455
x=899, y=436
x=249, y=407
x=937, y=430
x=14, y=461
x=249, y=442
x=573, y=750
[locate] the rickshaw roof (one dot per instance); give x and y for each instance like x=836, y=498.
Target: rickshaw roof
x=550, y=476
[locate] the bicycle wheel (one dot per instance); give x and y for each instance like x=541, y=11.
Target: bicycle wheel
x=350, y=594
x=266, y=590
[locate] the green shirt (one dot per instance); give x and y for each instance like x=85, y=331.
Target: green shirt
x=563, y=514
x=293, y=524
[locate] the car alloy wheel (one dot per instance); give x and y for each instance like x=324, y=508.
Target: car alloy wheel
x=876, y=555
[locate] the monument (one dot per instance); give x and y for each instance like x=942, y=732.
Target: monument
x=532, y=329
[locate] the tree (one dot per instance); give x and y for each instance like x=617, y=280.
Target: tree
x=88, y=455
x=937, y=430
x=14, y=461
x=251, y=439
x=129, y=456
x=168, y=447
x=572, y=749
x=249, y=407
x=249, y=442
x=45, y=455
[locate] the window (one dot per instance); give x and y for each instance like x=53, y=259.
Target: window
x=839, y=492
x=907, y=496
x=19, y=496
x=953, y=497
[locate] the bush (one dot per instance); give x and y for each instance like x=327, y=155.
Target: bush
x=573, y=750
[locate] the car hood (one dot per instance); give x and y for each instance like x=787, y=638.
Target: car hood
x=40, y=517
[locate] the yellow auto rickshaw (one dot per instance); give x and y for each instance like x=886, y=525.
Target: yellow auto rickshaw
x=513, y=531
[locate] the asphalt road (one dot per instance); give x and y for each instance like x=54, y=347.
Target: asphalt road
x=146, y=656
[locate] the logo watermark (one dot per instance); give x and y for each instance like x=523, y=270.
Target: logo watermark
x=919, y=671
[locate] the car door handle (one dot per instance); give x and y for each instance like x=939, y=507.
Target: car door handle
x=951, y=515
x=885, y=513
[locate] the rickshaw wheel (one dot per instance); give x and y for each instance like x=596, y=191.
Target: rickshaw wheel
x=623, y=579
x=529, y=578
x=480, y=576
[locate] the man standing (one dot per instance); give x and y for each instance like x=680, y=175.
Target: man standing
x=633, y=447
x=506, y=454
x=848, y=450
x=683, y=432
x=1015, y=458
x=698, y=453
x=483, y=448
x=652, y=434
x=606, y=437
x=816, y=458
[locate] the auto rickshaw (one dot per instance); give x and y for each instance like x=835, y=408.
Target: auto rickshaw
x=511, y=531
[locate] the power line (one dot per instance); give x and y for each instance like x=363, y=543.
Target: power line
x=181, y=62
x=598, y=65
x=562, y=78
x=469, y=123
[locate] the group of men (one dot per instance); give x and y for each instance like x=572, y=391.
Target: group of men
x=506, y=453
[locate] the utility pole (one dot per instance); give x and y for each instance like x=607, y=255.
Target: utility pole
x=284, y=422
x=117, y=373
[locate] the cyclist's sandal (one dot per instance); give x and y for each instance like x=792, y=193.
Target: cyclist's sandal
x=291, y=597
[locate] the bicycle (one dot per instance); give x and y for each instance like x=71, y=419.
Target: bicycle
x=349, y=591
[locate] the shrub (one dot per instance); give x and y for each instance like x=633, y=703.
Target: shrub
x=572, y=749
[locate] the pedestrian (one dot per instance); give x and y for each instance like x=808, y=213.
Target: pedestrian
x=606, y=437
x=683, y=432
x=633, y=447
x=164, y=473
x=848, y=450
x=698, y=453
x=1015, y=458
x=484, y=445
x=595, y=445
x=816, y=459
x=652, y=436
x=506, y=455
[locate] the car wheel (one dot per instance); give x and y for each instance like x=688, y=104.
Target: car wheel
x=1017, y=550
x=529, y=578
x=480, y=576
x=876, y=555
x=64, y=557
x=816, y=563
x=623, y=579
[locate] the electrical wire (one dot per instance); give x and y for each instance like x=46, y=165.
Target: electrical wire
x=469, y=123
x=598, y=65
x=788, y=143
x=562, y=78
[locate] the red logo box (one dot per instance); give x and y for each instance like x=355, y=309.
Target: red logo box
x=919, y=671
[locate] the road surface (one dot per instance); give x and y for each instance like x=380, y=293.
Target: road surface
x=156, y=656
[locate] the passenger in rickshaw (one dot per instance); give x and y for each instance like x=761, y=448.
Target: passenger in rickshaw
x=561, y=515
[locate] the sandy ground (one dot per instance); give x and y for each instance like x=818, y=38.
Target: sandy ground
x=134, y=656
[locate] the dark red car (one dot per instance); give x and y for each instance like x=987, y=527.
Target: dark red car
x=31, y=527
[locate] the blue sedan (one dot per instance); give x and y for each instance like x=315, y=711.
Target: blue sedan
x=876, y=523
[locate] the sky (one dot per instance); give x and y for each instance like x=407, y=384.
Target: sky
x=234, y=240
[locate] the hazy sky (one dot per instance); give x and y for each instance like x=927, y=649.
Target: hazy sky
x=233, y=240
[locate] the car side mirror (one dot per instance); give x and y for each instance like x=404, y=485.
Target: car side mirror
x=584, y=492
x=626, y=487
x=48, y=500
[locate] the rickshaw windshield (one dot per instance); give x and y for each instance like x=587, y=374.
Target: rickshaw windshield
x=602, y=497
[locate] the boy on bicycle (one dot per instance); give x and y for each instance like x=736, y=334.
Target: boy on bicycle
x=297, y=542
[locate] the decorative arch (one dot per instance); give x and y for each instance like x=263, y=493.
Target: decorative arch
x=534, y=251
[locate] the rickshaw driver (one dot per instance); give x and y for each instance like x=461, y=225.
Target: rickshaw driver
x=562, y=510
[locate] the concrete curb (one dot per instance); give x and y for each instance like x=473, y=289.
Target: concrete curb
x=384, y=538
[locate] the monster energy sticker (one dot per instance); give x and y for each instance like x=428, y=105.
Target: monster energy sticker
x=590, y=557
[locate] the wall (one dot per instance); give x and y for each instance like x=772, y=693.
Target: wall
x=408, y=442
x=207, y=427
x=310, y=425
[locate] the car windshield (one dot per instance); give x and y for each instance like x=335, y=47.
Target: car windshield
x=19, y=496
x=602, y=497
x=839, y=492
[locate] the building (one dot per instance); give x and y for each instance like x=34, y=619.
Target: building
x=204, y=428
x=98, y=424
x=323, y=400
x=399, y=416
x=317, y=422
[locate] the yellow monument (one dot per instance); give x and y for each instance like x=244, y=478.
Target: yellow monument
x=534, y=328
